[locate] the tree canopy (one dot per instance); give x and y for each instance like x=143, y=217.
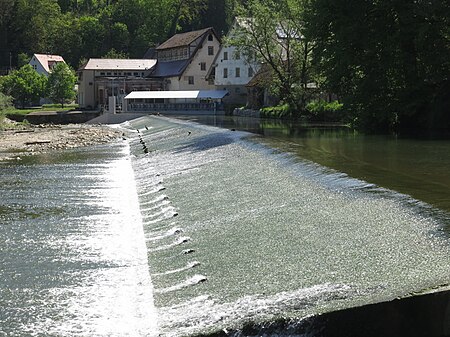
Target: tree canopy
x=81, y=29
x=61, y=84
x=387, y=60
x=272, y=31
x=25, y=85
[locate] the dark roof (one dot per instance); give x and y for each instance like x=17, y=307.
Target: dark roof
x=170, y=68
x=262, y=77
x=150, y=53
x=184, y=39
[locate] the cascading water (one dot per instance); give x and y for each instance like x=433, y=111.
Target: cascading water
x=73, y=255
x=186, y=229
x=238, y=233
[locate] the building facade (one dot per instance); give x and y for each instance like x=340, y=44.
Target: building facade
x=44, y=63
x=99, y=79
x=185, y=59
x=233, y=71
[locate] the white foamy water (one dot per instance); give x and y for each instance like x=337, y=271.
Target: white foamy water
x=87, y=272
x=275, y=237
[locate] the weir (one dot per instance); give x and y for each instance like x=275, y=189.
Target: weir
x=241, y=235
x=187, y=230
x=73, y=255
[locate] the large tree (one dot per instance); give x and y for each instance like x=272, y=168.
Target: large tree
x=25, y=85
x=61, y=84
x=387, y=59
x=271, y=31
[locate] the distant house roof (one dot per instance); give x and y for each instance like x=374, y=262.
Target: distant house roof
x=47, y=60
x=184, y=39
x=262, y=77
x=119, y=64
x=213, y=94
x=170, y=68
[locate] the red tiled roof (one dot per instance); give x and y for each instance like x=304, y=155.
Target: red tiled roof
x=48, y=60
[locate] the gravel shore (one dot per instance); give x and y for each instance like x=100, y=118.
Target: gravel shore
x=37, y=139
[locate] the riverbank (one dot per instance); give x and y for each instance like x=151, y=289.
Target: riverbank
x=19, y=141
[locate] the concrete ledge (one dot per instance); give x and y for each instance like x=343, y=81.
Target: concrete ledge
x=109, y=118
x=55, y=117
x=426, y=315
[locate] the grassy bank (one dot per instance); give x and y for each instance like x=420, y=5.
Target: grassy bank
x=6, y=124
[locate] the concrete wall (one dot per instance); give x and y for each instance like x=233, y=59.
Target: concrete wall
x=75, y=117
x=418, y=316
x=86, y=89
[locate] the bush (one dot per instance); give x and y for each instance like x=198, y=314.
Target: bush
x=5, y=101
x=323, y=111
x=279, y=111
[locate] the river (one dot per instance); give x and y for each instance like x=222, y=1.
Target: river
x=416, y=167
x=187, y=229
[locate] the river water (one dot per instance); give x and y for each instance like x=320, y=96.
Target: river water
x=189, y=229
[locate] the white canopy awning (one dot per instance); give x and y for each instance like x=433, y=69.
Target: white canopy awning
x=214, y=94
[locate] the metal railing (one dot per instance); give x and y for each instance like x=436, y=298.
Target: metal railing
x=175, y=106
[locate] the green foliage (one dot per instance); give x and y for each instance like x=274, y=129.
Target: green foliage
x=79, y=29
x=114, y=54
x=5, y=101
x=280, y=111
x=23, y=59
x=273, y=33
x=25, y=85
x=61, y=84
x=323, y=111
x=387, y=60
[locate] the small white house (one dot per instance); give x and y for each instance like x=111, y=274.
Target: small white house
x=233, y=71
x=44, y=63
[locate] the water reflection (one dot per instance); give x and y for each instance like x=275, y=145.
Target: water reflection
x=415, y=167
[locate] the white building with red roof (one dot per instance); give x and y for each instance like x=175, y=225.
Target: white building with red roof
x=44, y=63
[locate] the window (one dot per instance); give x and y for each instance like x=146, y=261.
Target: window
x=34, y=67
x=225, y=72
x=210, y=37
x=102, y=73
x=250, y=72
x=237, y=55
x=238, y=72
x=225, y=55
x=203, y=66
x=191, y=79
x=210, y=50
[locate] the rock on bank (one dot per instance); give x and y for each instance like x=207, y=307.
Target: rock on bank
x=44, y=138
